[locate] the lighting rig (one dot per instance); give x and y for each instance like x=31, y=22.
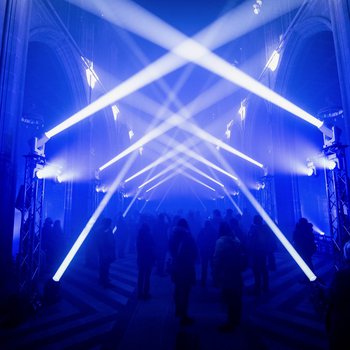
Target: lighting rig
x=266, y=193
x=31, y=220
x=337, y=186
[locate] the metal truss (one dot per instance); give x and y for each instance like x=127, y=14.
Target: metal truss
x=266, y=195
x=31, y=220
x=337, y=186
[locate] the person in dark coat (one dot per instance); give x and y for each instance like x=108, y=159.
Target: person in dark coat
x=260, y=245
x=145, y=249
x=227, y=272
x=206, y=245
x=106, y=250
x=338, y=312
x=161, y=242
x=183, y=251
x=304, y=241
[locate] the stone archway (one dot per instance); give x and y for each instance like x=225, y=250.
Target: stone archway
x=308, y=77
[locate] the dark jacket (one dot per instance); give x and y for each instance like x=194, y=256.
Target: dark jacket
x=228, y=263
x=183, y=251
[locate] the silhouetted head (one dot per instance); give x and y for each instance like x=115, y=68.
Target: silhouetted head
x=257, y=220
x=346, y=251
x=182, y=223
x=224, y=229
x=144, y=229
x=48, y=221
x=303, y=221
x=216, y=213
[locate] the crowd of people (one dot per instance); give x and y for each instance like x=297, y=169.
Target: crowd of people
x=174, y=245
x=223, y=246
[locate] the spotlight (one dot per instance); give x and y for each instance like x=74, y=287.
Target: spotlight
x=59, y=178
x=257, y=7
x=115, y=111
x=131, y=134
x=40, y=174
x=91, y=76
x=101, y=188
x=260, y=185
x=243, y=109
x=331, y=164
x=272, y=63
x=50, y=171
x=311, y=169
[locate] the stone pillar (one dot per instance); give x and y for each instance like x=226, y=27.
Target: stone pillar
x=15, y=23
x=340, y=18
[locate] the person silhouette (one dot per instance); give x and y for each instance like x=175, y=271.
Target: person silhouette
x=206, y=240
x=338, y=309
x=183, y=251
x=304, y=241
x=259, y=247
x=227, y=272
x=145, y=249
x=106, y=250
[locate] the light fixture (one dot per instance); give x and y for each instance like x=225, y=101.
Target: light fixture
x=91, y=76
x=257, y=7
x=115, y=111
x=331, y=161
x=331, y=164
x=273, y=61
x=260, y=185
x=243, y=109
x=311, y=169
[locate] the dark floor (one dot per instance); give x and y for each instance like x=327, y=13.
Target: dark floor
x=89, y=316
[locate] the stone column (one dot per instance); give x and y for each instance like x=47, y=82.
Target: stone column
x=15, y=23
x=340, y=17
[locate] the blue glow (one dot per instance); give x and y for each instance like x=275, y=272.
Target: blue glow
x=196, y=180
x=163, y=180
x=184, y=47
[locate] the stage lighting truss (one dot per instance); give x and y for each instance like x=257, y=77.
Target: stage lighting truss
x=31, y=220
x=337, y=186
x=265, y=194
